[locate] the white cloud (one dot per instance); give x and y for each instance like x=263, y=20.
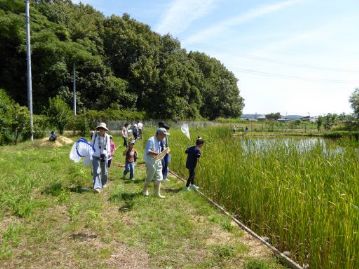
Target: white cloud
x=250, y=15
x=182, y=13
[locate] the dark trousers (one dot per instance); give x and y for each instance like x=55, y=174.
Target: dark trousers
x=165, y=161
x=125, y=143
x=190, y=179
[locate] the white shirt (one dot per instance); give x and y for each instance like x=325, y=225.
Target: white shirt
x=140, y=125
x=101, y=145
x=124, y=132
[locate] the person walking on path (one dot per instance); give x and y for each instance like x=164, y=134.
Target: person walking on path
x=130, y=161
x=102, y=148
x=112, y=151
x=135, y=130
x=165, y=144
x=152, y=157
x=140, y=129
x=124, y=133
x=193, y=154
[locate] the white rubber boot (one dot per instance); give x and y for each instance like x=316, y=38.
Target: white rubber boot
x=158, y=190
x=145, y=189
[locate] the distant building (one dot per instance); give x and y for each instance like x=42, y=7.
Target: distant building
x=283, y=119
x=313, y=119
x=253, y=117
x=306, y=118
x=261, y=117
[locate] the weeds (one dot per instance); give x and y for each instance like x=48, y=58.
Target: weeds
x=303, y=195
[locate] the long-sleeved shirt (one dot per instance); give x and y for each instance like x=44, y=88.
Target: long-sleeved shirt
x=101, y=144
x=193, y=154
x=124, y=132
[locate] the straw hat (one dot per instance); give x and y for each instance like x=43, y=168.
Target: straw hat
x=102, y=125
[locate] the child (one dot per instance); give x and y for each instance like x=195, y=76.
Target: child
x=193, y=154
x=53, y=136
x=112, y=151
x=131, y=157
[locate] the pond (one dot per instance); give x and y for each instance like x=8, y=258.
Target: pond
x=300, y=144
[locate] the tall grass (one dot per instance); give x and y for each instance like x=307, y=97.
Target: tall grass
x=305, y=199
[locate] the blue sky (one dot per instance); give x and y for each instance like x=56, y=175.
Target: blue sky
x=290, y=56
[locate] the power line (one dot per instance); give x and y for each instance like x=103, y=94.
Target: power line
x=308, y=66
x=286, y=76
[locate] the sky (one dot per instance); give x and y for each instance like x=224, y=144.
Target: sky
x=289, y=56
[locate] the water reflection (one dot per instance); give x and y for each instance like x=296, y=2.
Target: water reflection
x=301, y=145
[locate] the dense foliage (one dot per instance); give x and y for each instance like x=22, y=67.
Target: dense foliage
x=354, y=101
x=119, y=63
x=273, y=116
x=14, y=120
x=59, y=113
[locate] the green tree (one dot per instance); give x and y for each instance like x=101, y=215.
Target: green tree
x=354, y=101
x=59, y=113
x=319, y=122
x=329, y=121
x=116, y=94
x=6, y=113
x=21, y=122
x=273, y=116
x=14, y=119
x=219, y=92
x=120, y=63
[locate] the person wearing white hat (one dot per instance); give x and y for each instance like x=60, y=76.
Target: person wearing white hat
x=152, y=157
x=102, y=150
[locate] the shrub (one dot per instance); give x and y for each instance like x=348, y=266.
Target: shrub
x=59, y=113
x=14, y=120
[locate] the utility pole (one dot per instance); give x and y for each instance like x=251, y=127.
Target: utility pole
x=28, y=59
x=74, y=87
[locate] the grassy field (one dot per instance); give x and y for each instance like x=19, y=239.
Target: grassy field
x=304, y=199
x=50, y=218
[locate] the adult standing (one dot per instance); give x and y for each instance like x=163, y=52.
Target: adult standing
x=102, y=150
x=164, y=145
x=140, y=129
x=124, y=133
x=135, y=131
x=153, y=161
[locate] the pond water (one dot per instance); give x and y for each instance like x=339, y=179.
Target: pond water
x=302, y=145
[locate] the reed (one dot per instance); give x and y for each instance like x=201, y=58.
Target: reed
x=303, y=196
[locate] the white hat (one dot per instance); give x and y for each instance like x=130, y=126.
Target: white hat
x=102, y=125
x=163, y=130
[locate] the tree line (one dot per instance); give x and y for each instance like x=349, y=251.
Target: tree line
x=120, y=64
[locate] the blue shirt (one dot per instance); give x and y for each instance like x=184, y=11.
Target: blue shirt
x=154, y=145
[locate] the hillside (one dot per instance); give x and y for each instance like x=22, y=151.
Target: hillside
x=119, y=63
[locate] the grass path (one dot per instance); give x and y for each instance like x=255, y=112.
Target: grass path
x=51, y=219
